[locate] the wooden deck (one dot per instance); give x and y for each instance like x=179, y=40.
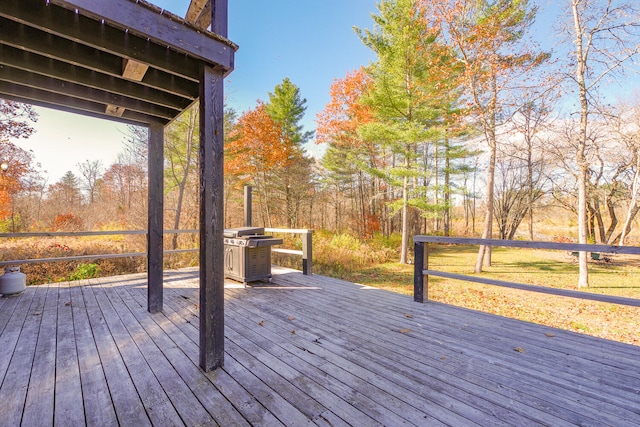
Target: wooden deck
x=304, y=350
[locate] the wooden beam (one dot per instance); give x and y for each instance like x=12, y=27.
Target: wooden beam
x=211, y=219
x=30, y=95
x=68, y=90
x=133, y=70
x=114, y=110
x=219, y=17
x=25, y=38
x=205, y=17
x=142, y=20
x=84, y=30
x=63, y=71
x=155, y=222
x=195, y=10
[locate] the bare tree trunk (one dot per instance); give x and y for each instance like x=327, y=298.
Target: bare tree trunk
x=632, y=203
x=436, y=199
x=583, y=280
x=530, y=180
x=447, y=188
x=484, y=253
x=405, y=216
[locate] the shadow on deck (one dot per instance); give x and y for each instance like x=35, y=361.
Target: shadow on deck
x=303, y=350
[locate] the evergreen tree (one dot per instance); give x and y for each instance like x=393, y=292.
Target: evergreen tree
x=404, y=98
x=286, y=107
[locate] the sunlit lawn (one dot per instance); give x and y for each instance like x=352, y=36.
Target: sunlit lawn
x=618, y=275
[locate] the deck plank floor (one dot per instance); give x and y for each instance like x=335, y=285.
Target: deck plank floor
x=303, y=350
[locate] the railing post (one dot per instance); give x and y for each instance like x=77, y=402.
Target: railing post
x=420, y=254
x=247, y=206
x=307, y=252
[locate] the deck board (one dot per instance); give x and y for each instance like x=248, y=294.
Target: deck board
x=16, y=381
x=98, y=406
x=470, y=344
x=39, y=403
x=303, y=350
x=126, y=402
x=69, y=408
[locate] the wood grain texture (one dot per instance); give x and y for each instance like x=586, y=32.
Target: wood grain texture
x=159, y=26
x=155, y=220
x=302, y=350
x=211, y=219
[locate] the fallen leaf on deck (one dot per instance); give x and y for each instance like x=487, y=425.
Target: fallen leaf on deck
x=292, y=318
x=443, y=358
x=196, y=306
x=549, y=335
x=519, y=349
x=293, y=332
x=67, y=303
x=408, y=316
x=404, y=331
x=261, y=323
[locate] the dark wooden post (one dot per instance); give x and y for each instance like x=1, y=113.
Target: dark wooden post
x=418, y=266
x=155, y=218
x=307, y=253
x=211, y=219
x=219, y=14
x=247, y=206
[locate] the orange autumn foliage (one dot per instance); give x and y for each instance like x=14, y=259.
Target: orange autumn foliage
x=256, y=143
x=11, y=181
x=341, y=117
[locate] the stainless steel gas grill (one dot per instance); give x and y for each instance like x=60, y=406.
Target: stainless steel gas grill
x=247, y=254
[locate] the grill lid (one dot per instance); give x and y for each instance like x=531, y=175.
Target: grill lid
x=243, y=231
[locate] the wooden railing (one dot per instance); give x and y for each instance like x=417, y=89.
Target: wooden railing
x=422, y=272
x=307, y=247
x=92, y=256
x=306, y=252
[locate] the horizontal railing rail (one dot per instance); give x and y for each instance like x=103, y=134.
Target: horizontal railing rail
x=90, y=256
x=307, y=246
x=306, y=252
x=89, y=233
x=422, y=272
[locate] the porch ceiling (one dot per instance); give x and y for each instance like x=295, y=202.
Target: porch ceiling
x=124, y=60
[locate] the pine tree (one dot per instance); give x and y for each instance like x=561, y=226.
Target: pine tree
x=404, y=98
x=286, y=107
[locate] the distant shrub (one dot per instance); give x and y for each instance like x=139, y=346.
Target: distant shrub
x=67, y=222
x=85, y=271
x=392, y=241
x=346, y=241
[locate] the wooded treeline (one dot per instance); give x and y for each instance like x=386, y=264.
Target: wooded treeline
x=462, y=125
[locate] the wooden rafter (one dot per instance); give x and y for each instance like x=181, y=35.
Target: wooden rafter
x=66, y=54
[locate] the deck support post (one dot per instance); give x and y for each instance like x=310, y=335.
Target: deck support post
x=421, y=261
x=155, y=224
x=211, y=219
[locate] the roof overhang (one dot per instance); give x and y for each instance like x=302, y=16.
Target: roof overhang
x=124, y=60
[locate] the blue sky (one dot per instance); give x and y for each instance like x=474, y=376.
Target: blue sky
x=310, y=41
